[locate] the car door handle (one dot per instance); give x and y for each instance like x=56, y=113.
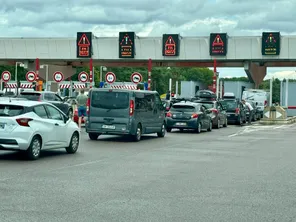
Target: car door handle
x=56, y=124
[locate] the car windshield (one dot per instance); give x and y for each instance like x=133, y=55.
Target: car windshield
x=30, y=96
x=110, y=100
x=230, y=105
x=208, y=105
x=10, y=110
x=183, y=108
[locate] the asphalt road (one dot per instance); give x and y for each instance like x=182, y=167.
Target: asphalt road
x=232, y=174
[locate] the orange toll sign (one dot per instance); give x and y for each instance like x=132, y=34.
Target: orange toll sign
x=170, y=45
x=126, y=45
x=218, y=44
x=84, y=45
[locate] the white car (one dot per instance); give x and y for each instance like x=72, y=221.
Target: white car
x=33, y=126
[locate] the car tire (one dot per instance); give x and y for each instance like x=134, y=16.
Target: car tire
x=218, y=124
x=210, y=126
x=162, y=132
x=138, y=135
x=74, y=144
x=93, y=136
x=169, y=130
x=226, y=123
x=199, y=127
x=34, y=150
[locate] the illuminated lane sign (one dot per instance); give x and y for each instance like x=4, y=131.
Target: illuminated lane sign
x=218, y=44
x=126, y=45
x=84, y=45
x=170, y=45
x=271, y=43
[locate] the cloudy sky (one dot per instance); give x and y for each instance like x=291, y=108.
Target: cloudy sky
x=56, y=18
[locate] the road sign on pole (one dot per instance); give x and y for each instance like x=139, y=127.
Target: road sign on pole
x=58, y=76
x=136, y=77
x=6, y=76
x=83, y=77
x=31, y=76
x=110, y=77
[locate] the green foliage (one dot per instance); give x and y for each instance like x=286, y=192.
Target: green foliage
x=234, y=79
x=21, y=72
x=276, y=89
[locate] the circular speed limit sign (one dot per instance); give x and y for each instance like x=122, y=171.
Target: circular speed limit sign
x=110, y=77
x=6, y=76
x=58, y=76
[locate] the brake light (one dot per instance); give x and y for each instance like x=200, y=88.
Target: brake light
x=24, y=121
x=194, y=116
x=87, y=106
x=265, y=103
x=237, y=110
x=169, y=114
x=131, y=108
x=167, y=108
x=215, y=111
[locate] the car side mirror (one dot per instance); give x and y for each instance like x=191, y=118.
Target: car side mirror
x=66, y=118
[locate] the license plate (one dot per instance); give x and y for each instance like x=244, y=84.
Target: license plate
x=2, y=125
x=181, y=124
x=108, y=127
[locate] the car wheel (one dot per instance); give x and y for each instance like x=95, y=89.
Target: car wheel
x=34, y=150
x=226, y=123
x=93, y=136
x=169, y=130
x=198, y=130
x=74, y=143
x=138, y=135
x=218, y=124
x=210, y=126
x=162, y=132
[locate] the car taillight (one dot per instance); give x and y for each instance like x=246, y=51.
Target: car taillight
x=265, y=103
x=194, y=116
x=237, y=110
x=215, y=111
x=24, y=121
x=169, y=114
x=131, y=107
x=87, y=105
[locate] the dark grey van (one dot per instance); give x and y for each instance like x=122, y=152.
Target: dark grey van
x=125, y=112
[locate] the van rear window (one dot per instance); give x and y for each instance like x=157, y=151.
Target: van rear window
x=10, y=110
x=110, y=100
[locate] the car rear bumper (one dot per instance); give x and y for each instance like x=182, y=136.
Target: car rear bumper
x=181, y=124
x=233, y=118
x=10, y=143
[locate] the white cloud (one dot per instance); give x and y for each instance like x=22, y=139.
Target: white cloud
x=53, y=18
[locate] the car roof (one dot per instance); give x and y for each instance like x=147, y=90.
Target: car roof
x=123, y=90
x=35, y=92
x=186, y=103
x=25, y=103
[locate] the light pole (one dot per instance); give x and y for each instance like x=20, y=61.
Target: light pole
x=16, y=65
x=102, y=69
x=46, y=75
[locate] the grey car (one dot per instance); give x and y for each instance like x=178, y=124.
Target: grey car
x=125, y=112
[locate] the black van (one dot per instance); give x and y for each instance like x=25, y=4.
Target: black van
x=125, y=112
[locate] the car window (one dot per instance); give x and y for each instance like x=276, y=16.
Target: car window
x=54, y=113
x=149, y=101
x=57, y=98
x=11, y=110
x=183, y=108
x=110, y=100
x=49, y=96
x=209, y=105
x=40, y=111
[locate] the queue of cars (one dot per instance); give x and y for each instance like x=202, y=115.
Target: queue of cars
x=33, y=121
